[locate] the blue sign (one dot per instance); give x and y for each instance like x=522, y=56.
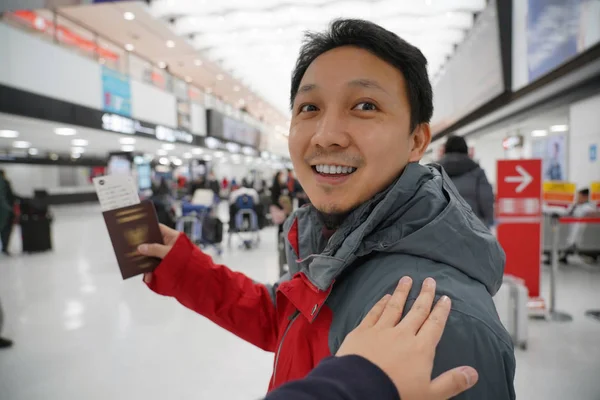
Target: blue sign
x=593, y=152
x=116, y=92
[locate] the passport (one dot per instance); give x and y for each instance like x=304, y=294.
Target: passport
x=128, y=227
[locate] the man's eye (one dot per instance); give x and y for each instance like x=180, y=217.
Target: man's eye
x=365, y=106
x=308, y=108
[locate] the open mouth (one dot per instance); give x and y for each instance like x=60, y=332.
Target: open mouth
x=332, y=170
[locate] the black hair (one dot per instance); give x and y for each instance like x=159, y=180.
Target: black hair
x=380, y=42
x=456, y=144
x=584, y=192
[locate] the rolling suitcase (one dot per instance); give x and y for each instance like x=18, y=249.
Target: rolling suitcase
x=212, y=230
x=36, y=235
x=511, y=305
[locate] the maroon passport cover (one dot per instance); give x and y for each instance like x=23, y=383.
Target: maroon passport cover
x=128, y=227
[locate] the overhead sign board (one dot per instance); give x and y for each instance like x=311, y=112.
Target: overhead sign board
x=128, y=126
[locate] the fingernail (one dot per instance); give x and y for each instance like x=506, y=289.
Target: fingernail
x=429, y=283
x=445, y=299
x=406, y=280
x=470, y=374
x=143, y=248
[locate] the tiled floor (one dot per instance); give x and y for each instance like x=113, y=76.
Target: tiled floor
x=82, y=333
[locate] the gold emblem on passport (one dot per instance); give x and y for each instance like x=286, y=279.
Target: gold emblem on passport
x=136, y=236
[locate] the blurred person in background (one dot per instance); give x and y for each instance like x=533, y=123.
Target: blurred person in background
x=198, y=183
x=259, y=184
x=281, y=200
x=7, y=204
x=583, y=207
x=162, y=188
x=181, y=182
x=213, y=184
x=357, y=135
x=246, y=183
x=162, y=200
x=6, y=215
x=469, y=178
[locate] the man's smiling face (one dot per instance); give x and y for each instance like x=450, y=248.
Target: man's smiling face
x=350, y=133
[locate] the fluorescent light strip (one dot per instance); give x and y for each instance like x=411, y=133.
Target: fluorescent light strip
x=21, y=144
x=559, y=128
x=8, y=134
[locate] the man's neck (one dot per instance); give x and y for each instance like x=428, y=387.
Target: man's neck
x=332, y=221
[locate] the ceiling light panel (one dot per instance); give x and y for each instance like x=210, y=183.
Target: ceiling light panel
x=249, y=37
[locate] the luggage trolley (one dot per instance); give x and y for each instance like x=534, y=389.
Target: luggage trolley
x=193, y=216
x=245, y=224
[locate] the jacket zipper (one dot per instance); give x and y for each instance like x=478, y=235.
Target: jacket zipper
x=292, y=318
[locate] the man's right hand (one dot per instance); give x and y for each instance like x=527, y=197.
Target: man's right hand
x=159, y=250
x=405, y=349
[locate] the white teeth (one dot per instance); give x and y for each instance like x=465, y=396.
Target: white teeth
x=334, y=169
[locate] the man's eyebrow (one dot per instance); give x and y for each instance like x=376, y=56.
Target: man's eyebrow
x=307, y=88
x=368, y=84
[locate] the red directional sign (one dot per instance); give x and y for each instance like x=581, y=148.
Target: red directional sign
x=519, y=218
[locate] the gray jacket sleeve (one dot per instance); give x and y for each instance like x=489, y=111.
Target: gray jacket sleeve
x=469, y=342
x=485, y=197
x=466, y=341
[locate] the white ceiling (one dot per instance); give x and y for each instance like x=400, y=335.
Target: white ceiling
x=149, y=37
x=258, y=41
x=41, y=136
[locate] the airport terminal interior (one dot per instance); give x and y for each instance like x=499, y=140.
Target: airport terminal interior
x=184, y=106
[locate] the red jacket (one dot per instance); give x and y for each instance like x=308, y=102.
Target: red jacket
x=245, y=308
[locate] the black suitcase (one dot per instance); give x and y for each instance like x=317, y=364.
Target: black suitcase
x=212, y=230
x=36, y=234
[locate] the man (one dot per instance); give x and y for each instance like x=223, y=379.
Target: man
x=7, y=202
x=582, y=208
x=469, y=179
x=198, y=183
x=361, y=102
x=366, y=365
x=213, y=184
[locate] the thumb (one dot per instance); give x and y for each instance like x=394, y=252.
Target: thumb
x=153, y=250
x=453, y=382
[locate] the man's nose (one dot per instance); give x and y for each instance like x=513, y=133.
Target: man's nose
x=332, y=130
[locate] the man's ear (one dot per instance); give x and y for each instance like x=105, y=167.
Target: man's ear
x=419, y=141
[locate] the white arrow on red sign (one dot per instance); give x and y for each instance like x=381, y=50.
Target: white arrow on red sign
x=524, y=179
